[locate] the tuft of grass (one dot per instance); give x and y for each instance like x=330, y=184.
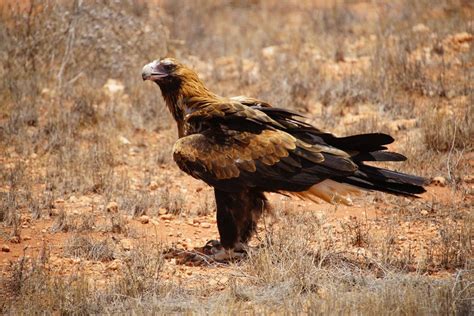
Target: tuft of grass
x=65, y=222
x=81, y=246
x=444, y=132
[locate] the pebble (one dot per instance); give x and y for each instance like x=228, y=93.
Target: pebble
x=123, y=140
x=420, y=28
x=114, y=265
x=153, y=185
x=15, y=239
x=424, y=212
x=439, y=181
x=205, y=225
x=224, y=280
x=126, y=244
x=144, y=219
x=5, y=248
x=112, y=207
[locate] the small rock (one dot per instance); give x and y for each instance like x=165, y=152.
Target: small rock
x=153, y=186
x=123, y=140
x=224, y=280
x=424, y=212
x=190, y=222
x=112, y=207
x=463, y=37
x=114, y=265
x=15, y=239
x=166, y=216
x=420, y=28
x=126, y=244
x=144, y=219
x=402, y=238
x=162, y=211
x=469, y=179
x=26, y=238
x=205, y=225
x=212, y=282
x=113, y=87
x=5, y=248
x=439, y=181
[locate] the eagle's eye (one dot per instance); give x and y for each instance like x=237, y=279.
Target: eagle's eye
x=167, y=65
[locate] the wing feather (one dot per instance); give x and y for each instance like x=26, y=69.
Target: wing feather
x=272, y=161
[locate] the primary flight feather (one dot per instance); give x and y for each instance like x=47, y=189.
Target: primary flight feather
x=243, y=147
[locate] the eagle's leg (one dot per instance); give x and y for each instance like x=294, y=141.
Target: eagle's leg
x=237, y=216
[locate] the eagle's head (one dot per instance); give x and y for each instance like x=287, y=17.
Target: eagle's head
x=164, y=70
x=169, y=74
x=177, y=83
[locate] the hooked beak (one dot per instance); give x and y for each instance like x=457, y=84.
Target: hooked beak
x=152, y=71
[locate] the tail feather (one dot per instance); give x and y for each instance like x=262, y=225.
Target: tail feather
x=363, y=142
x=379, y=156
x=386, y=175
x=388, y=181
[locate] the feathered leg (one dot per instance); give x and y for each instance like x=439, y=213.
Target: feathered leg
x=237, y=216
x=254, y=204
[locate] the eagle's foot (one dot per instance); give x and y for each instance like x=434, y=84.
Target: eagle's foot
x=217, y=252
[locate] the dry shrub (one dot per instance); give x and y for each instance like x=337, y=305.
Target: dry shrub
x=285, y=275
x=69, y=50
x=79, y=246
x=65, y=222
x=141, y=277
x=443, y=132
x=31, y=288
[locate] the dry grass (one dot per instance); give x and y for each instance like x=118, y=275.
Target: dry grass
x=277, y=276
x=349, y=67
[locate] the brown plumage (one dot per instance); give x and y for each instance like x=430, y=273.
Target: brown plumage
x=243, y=147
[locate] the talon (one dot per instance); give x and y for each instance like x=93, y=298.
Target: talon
x=226, y=255
x=212, y=247
x=215, y=250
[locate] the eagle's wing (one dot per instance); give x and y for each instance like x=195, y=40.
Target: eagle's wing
x=237, y=147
